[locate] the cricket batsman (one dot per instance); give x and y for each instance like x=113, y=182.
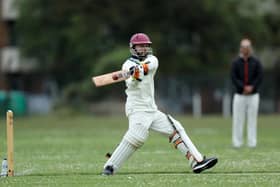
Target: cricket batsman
x=143, y=114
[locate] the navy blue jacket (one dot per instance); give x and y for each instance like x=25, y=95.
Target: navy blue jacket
x=250, y=74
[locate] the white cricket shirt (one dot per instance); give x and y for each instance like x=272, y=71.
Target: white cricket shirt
x=140, y=94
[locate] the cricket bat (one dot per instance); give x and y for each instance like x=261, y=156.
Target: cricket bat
x=110, y=78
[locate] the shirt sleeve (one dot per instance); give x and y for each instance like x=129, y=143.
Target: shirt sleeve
x=127, y=65
x=259, y=75
x=152, y=63
x=238, y=83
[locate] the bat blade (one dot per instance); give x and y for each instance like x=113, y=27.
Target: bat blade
x=110, y=78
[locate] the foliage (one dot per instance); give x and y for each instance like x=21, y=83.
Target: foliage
x=75, y=40
x=78, y=91
x=71, y=36
x=111, y=61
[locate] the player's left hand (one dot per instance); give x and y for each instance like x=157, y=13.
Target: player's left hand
x=137, y=72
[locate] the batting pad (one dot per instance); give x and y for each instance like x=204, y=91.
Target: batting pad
x=136, y=135
x=180, y=129
x=120, y=155
x=178, y=143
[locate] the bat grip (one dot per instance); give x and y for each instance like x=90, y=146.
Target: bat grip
x=125, y=74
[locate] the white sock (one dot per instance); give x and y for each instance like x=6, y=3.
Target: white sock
x=121, y=154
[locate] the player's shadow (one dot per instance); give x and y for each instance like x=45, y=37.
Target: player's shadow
x=157, y=173
x=203, y=173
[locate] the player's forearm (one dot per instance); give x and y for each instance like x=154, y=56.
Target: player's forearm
x=237, y=83
x=258, y=79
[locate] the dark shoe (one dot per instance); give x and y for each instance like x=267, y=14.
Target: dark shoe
x=109, y=170
x=205, y=164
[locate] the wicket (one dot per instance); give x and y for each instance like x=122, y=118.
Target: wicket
x=10, y=142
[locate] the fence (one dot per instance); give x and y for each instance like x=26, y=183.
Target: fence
x=210, y=94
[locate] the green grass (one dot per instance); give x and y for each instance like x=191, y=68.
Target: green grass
x=69, y=151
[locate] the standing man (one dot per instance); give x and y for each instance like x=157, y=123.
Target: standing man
x=246, y=75
x=143, y=114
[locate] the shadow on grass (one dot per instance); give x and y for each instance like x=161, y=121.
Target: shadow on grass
x=159, y=173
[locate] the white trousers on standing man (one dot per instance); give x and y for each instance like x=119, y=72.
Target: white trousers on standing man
x=245, y=107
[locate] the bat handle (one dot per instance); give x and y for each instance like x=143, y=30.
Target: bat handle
x=121, y=75
x=126, y=74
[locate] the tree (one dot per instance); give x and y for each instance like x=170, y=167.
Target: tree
x=70, y=37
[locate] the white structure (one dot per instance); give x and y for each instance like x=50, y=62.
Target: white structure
x=10, y=59
x=10, y=9
x=196, y=103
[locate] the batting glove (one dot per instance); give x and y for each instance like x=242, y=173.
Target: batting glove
x=137, y=72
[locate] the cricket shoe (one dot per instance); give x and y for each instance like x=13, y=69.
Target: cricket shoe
x=206, y=163
x=109, y=170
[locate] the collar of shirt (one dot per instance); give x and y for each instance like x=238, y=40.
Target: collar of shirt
x=242, y=58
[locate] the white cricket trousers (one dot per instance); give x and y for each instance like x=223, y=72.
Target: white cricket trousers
x=140, y=123
x=245, y=107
